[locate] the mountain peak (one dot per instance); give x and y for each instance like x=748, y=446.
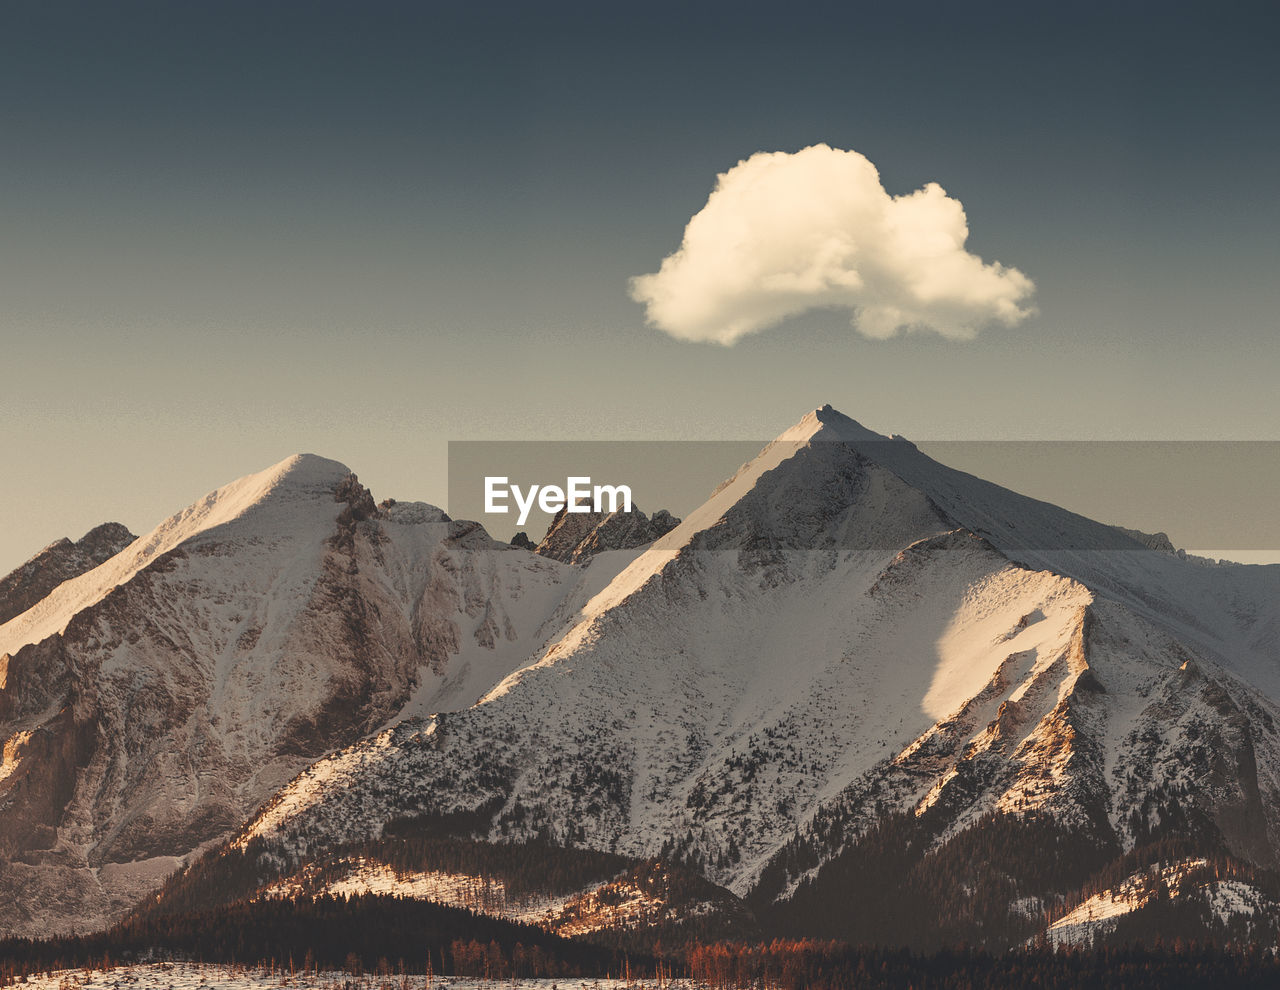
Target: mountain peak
x=828, y=423
x=305, y=470
x=294, y=498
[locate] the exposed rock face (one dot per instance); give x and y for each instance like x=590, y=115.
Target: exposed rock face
x=522, y=541
x=574, y=537
x=58, y=562
x=1153, y=541
x=624, y=531
x=566, y=532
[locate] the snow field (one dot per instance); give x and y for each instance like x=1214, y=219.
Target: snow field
x=201, y=976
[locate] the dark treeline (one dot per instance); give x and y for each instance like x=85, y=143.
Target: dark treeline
x=996, y=884
x=1191, y=916
x=537, y=867
x=894, y=885
x=220, y=876
x=993, y=886
x=777, y=965
x=689, y=909
x=324, y=932
x=817, y=965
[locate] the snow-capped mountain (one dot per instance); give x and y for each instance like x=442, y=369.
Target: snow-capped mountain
x=848, y=629
x=849, y=653
x=150, y=704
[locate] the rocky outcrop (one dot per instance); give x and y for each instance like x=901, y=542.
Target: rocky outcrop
x=58, y=562
x=1152, y=541
x=574, y=537
x=566, y=532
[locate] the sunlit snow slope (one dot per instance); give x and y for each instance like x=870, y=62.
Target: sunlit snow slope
x=848, y=628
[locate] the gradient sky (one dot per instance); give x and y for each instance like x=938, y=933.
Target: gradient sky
x=232, y=231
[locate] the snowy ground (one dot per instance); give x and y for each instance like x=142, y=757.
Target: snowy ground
x=1101, y=912
x=198, y=976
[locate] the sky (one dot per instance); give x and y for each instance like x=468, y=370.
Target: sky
x=234, y=231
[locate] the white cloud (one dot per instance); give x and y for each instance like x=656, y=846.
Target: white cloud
x=783, y=233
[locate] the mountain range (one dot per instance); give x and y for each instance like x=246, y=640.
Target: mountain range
x=856, y=694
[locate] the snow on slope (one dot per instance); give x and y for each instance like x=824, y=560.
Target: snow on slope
x=293, y=483
x=1227, y=899
x=780, y=643
x=504, y=610
x=720, y=663
x=1099, y=913
x=209, y=976
x=1232, y=611
x=825, y=632
x=484, y=895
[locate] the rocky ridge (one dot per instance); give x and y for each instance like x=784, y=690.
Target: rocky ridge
x=59, y=561
x=575, y=537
